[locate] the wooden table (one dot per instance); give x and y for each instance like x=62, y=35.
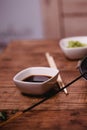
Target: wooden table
x=60, y=112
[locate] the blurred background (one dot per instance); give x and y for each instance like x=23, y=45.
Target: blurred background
x=41, y=19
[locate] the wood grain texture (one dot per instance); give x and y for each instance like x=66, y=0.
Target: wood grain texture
x=59, y=112
x=52, y=120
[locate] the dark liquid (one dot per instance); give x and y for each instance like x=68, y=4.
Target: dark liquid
x=36, y=78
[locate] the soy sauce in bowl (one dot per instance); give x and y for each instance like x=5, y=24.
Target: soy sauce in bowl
x=36, y=78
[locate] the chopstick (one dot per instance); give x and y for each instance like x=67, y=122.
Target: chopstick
x=53, y=64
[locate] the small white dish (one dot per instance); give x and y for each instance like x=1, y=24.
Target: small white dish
x=36, y=88
x=76, y=52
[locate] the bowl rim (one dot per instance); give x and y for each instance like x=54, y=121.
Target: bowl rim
x=62, y=43
x=22, y=71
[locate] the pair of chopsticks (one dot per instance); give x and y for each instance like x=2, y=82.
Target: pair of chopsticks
x=53, y=64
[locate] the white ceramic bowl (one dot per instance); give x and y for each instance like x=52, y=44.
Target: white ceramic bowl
x=36, y=88
x=76, y=52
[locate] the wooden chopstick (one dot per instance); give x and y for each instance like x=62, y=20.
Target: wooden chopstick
x=52, y=64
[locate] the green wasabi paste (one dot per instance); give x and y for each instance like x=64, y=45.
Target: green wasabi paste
x=72, y=44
